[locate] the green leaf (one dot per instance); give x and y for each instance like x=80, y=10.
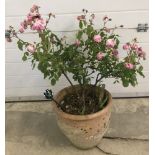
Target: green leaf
x=53, y=81
x=20, y=45
x=117, y=42
x=33, y=66
x=140, y=68
x=79, y=35
x=140, y=73
x=59, y=73
x=125, y=83
x=45, y=75
x=24, y=58
x=80, y=24
x=27, y=53
x=89, y=29
x=132, y=83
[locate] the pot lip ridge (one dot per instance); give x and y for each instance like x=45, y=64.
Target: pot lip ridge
x=81, y=117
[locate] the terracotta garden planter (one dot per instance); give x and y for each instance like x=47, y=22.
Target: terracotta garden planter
x=84, y=131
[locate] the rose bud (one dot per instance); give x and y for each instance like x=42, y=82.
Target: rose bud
x=110, y=43
x=115, y=53
x=31, y=48
x=77, y=42
x=134, y=47
x=97, y=38
x=39, y=25
x=129, y=66
x=100, y=56
x=126, y=46
x=21, y=29
x=105, y=18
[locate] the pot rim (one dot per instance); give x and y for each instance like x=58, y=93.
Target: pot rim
x=81, y=117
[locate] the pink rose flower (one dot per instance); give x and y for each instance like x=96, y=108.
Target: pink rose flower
x=105, y=18
x=126, y=46
x=34, y=14
x=134, y=47
x=77, y=42
x=34, y=8
x=129, y=65
x=100, y=56
x=29, y=17
x=31, y=48
x=97, y=38
x=24, y=24
x=110, y=43
x=39, y=25
x=21, y=29
x=82, y=17
x=115, y=53
x=140, y=49
x=142, y=55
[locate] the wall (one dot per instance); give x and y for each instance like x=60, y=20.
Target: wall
x=22, y=82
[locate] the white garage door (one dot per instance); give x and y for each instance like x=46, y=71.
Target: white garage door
x=22, y=82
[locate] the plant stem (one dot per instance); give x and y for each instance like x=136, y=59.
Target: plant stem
x=97, y=80
x=67, y=78
x=49, y=16
x=90, y=73
x=70, y=82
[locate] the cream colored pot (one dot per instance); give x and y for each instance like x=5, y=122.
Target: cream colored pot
x=84, y=131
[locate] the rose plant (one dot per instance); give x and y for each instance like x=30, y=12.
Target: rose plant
x=93, y=55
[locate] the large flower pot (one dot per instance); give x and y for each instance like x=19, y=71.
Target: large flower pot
x=84, y=131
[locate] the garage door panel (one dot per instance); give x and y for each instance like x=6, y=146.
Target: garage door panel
x=38, y=91
x=22, y=81
x=70, y=23
x=16, y=7
x=38, y=81
x=20, y=69
x=128, y=19
x=32, y=81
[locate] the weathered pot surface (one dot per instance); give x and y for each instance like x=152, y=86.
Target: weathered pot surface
x=84, y=131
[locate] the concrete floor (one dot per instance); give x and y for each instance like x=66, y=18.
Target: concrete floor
x=31, y=129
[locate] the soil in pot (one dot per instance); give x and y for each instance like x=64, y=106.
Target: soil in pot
x=84, y=103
